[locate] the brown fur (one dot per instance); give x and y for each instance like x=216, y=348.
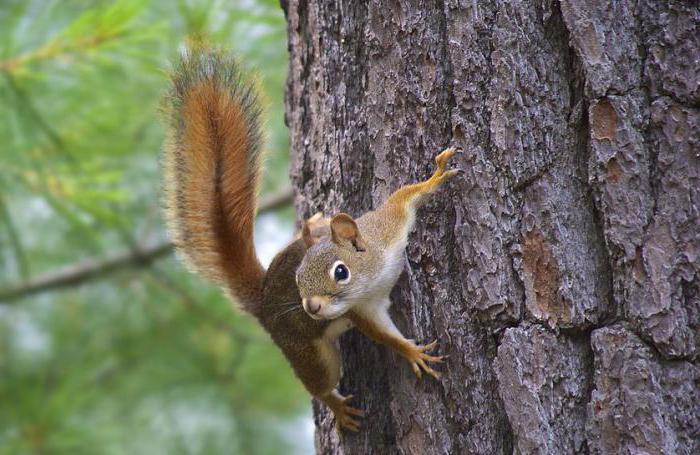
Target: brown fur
x=290, y=327
x=211, y=162
x=211, y=166
x=386, y=225
x=312, y=355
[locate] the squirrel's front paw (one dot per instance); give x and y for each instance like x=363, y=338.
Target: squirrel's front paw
x=416, y=355
x=343, y=414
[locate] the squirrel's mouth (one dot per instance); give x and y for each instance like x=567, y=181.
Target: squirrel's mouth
x=323, y=307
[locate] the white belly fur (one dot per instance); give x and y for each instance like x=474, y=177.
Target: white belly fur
x=336, y=328
x=393, y=264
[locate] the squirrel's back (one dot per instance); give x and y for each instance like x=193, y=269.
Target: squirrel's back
x=212, y=164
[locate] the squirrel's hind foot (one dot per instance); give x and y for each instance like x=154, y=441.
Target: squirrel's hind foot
x=443, y=157
x=441, y=161
x=343, y=413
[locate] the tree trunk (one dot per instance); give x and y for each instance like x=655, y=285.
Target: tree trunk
x=560, y=273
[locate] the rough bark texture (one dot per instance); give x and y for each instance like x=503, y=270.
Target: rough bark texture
x=561, y=273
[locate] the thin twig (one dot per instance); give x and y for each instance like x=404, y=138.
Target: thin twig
x=142, y=256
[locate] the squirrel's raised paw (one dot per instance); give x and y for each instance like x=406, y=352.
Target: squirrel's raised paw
x=451, y=173
x=344, y=414
x=444, y=156
x=441, y=175
x=417, y=357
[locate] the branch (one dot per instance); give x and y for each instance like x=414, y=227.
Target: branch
x=89, y=269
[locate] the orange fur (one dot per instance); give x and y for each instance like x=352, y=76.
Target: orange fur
x=415, y=354
x=400, y=202
x=212, y=168
x=400, y=208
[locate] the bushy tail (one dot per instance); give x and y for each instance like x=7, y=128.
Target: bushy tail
x=211, y=164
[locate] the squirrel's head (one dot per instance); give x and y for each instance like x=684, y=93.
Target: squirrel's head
x=330, y=276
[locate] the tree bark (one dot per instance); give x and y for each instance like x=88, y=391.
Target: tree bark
x=560, y=273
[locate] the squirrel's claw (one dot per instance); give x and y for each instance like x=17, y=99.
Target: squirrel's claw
x=417, y=357
x=444, y=156
x=452, y=173
x=441, y=175
x=427, y=347
x=346, y=422
x=343, y=413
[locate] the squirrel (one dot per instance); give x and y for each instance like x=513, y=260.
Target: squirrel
x=336, y=275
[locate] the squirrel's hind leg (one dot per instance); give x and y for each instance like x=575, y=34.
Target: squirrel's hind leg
x=411, y=196
x=343, y=413
x=323, y=386
x=397, y=215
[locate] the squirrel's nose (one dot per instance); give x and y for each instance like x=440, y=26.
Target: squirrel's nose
x=313, y=306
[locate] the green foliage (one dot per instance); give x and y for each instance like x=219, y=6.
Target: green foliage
x=149, y=360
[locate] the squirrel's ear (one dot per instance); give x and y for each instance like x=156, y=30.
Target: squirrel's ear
x=309, y=239
x=344, y=228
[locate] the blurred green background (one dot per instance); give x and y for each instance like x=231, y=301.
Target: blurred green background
x=146, y=359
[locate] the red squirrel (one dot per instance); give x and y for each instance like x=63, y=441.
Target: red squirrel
x=337, y=275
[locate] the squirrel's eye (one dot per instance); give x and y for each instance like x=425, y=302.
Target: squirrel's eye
x=341, y=274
